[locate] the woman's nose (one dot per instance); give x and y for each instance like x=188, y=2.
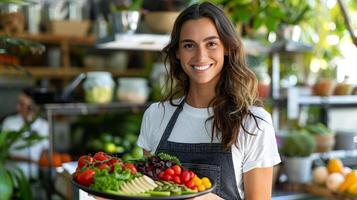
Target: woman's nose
x=201, y=53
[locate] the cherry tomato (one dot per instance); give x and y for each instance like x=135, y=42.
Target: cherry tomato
x=100, y=156
x=103, y=166
x=167, y=177
x=169, y=171
x=86, y=177
x=84, y=161
x=177, y=169
x=185, y=176
x=114, y=161
x=131, y=167
x=176, y=179
x=161, y=175
x=75, y=175
x=190, y=184
x=191, y=174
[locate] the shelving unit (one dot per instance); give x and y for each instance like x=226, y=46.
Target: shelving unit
x=64, y=71
x=156, y=42
x=284, y=46
x=296, y=99
x=61, y=72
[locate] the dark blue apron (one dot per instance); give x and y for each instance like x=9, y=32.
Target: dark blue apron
x=204, y=158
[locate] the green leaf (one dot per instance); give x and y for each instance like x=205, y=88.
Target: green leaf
x=24, y=186
x=6, y=185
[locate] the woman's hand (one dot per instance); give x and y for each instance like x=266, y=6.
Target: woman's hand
x=209, y=196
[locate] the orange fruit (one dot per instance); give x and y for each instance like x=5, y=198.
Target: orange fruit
x=335, y=165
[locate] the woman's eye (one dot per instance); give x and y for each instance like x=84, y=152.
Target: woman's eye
x=212, y=44
x=188, y=46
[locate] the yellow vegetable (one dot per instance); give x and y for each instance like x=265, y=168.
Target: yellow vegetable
x=201, y=188
x=206, y=182
x=350, y=179
x=197, y=181
x=335, y=165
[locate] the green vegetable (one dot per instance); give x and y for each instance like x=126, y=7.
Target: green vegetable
x=167, y=157
x=105, y=181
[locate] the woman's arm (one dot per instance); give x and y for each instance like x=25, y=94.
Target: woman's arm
x=258, y=183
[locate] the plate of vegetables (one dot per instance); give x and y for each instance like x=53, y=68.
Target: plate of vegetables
x=156, y=177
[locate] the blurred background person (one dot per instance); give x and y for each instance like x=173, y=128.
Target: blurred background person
x=27, y=113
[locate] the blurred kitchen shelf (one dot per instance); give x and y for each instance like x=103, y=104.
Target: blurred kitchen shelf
x=62, y=72
x=298, y=97
x=92, y=108
x=50, y=38
x=156, y=42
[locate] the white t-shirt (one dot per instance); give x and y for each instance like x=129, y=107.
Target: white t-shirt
x=191, y=127
x=14, y=123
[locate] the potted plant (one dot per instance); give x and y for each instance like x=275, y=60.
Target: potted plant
x=324, y=137
x=296, y=149
x=13, y=183
x=125, y=15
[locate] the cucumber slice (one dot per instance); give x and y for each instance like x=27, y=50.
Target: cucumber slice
x=159, y=193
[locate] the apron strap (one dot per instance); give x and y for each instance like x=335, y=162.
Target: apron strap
x=170, y=125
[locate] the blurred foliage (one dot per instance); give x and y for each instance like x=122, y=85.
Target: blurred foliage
x=268, y=14
x=298, y=144
x=117, y=132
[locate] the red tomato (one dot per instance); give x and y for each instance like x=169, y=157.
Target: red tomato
x=131, y=167
x=176, y=179
x=114, y=161
x=167, y=177
x=100, y=156
x=185, y=176
x=103, y=166
x=86, y=177
x=75, y=175
x=191, y=174
x=161, y=174
x=169, y=171
x=84, y=160
x=177, y=169
x=190, y=184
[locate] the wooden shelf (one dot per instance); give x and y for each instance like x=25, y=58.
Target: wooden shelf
x=61, y=72
x=50, y=38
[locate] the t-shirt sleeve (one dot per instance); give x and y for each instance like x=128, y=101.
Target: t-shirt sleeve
x=260, y=150
x=144, y=136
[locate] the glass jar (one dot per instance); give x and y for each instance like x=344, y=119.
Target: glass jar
x=98, y=87
x=133, y=90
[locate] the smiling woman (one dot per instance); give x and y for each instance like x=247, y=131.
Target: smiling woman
x=211, y=118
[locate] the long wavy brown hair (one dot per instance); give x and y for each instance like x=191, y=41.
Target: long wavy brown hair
x=236, y=90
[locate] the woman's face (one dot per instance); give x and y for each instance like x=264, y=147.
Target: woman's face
x=201, y=52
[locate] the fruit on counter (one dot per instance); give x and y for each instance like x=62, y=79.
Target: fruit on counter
x=334, y=180
x=56, y=159
x=335, y=165
x=112, y=144
x=350, y=179
x=320, y=174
